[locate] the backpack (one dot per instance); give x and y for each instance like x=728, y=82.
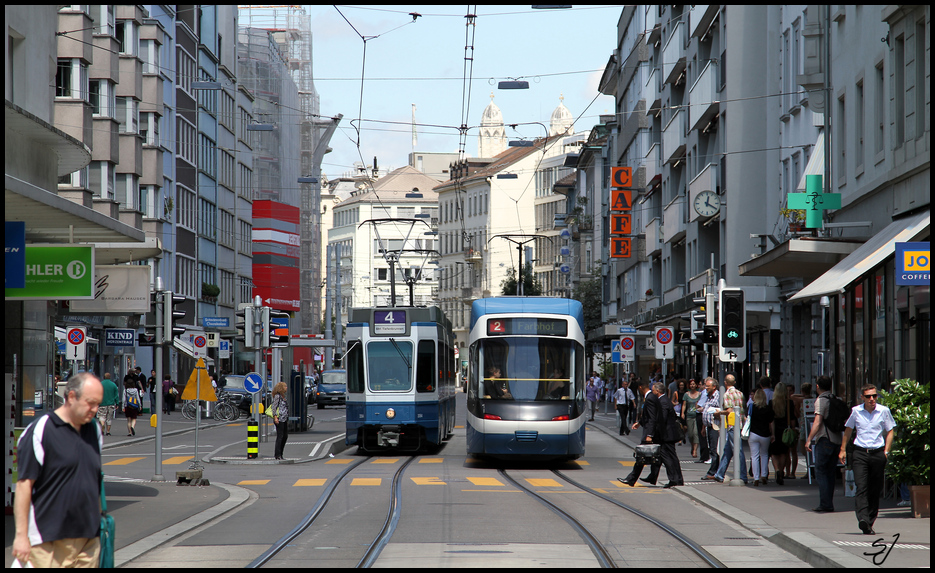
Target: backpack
x=838, y=413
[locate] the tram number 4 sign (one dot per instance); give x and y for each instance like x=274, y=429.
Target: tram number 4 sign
x=620, y=247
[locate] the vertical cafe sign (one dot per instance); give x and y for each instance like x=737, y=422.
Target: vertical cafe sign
x=56, y=272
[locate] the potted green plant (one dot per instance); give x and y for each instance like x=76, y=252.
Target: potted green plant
x=796, y=218
x=909, y=460
x=210, y=291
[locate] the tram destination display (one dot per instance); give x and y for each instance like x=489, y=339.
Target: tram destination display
x=530, y=326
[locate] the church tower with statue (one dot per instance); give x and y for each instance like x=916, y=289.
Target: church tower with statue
x=562, y=119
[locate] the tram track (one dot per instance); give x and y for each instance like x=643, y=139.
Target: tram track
x=598, y=548
x=379, y=542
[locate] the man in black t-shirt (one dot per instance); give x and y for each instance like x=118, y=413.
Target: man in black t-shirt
x=57, y=505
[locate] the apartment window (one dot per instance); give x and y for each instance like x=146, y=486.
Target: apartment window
x=920, y=83
x=879, y=109
x=185, y=73
x=149, y=128
x=103, y=18
x=842, y=139
x=226, y=228
x=185, y=208
x=187, y=134
x=128, y=115
x=899, y=90
x=127, y=35
x=149, y=194
x=71, y=79
x=207, y=219
x=127, y=191
x=102, y=179
x=859, y=126
x=226, y=173
x=149, y=53
x=208, y=274
x=405, y=212
x=77, y=179
x=245, y=238
x=246, y=290
x=226, y=116
x=246, y=182
x=102, y=99
x=208, y=156
x=227, y=296
x=186, y=276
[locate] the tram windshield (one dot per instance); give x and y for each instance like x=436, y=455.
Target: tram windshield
x=389, y=364
x=528, y=369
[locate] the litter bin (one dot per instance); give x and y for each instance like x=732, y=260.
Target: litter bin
x=298, y=404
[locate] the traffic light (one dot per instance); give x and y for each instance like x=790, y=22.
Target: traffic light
x=245, y=326
x=261, y=327
x=277, y=328
x=148, y=336
x=732, y=321
x=169, y=324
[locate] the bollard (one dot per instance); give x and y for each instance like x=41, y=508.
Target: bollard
x=253, y=440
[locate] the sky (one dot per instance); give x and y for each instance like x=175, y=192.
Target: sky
x=422, y=62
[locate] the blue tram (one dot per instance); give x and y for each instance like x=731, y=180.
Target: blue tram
x=400, y=378
x=525, y=392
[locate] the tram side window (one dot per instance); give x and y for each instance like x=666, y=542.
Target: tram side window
x=425, y=367
x=355, y=367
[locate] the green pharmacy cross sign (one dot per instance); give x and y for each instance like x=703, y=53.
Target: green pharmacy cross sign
x=814, y=201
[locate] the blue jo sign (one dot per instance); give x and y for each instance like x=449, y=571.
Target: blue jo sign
x=913, y=264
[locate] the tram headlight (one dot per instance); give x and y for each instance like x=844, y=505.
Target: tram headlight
x=390, y=413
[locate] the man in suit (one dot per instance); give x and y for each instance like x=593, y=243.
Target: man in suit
x=649, y=419
x=668, y=433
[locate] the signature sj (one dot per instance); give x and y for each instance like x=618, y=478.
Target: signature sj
x=880, y=556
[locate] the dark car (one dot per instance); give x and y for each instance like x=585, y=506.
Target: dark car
x=332, y=389
x=239, y=395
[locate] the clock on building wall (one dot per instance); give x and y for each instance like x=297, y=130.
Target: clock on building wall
x=707, y=203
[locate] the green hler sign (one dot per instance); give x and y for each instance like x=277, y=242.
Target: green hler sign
x=57, y=272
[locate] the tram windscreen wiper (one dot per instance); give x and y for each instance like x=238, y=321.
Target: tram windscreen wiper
x=402, y=355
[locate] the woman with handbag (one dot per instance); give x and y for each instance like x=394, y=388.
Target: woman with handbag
x=279, y=411
x=783, y=432
x=132, y=402
x=761, y=429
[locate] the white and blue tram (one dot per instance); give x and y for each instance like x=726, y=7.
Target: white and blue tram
x=400, y=378
x=525, y=392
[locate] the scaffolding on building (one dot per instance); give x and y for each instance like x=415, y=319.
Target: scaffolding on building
x=289, y=28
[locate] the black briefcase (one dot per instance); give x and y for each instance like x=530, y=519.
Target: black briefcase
x=647, y=454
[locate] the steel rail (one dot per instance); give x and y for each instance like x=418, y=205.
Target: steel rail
x=600, y=552
x=307, y=521
x=392, y=518
x=694, y=547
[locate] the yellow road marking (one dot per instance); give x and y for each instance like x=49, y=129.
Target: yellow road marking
x=367, y=481
x=254, y=482
x=431, y=460
x=626, y=464
x=582, y=463
x=495, y=490
x=543, y=482
x=176, y=460
x=485, y=481
x=385, y=460
x=339, y=461
x=459, y=427
x=123, y=461
x=428, y=481
x=303, y=482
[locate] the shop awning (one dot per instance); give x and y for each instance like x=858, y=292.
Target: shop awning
x=866, y=257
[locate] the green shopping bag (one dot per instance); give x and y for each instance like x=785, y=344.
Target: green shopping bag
x=108, y=532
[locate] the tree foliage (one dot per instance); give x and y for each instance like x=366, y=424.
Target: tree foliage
x=531, y=285
x=590, y=294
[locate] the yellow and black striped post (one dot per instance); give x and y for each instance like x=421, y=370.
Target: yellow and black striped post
x=253, y=440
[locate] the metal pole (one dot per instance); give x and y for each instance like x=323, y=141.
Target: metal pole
x=328, y=310
x=157, y=358
x=739, y=468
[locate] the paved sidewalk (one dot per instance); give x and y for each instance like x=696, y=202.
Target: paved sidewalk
x=782, y=514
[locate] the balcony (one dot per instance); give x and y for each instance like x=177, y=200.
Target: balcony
x=673, y=294
x=673, y=217
x=653, y=237
x=472, y=256
x=673, y=55
x=700, y=18
x=704, y=100
x=673, y=137
x=704, y=181
x=651, y=166
x=653, y=97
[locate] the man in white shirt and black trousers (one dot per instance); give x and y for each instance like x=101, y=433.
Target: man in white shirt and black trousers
x=874, y=424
